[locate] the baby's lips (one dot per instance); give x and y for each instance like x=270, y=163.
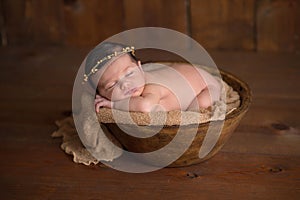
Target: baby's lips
x=131, y=91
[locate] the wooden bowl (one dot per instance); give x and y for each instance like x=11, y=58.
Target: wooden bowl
x=167, y=133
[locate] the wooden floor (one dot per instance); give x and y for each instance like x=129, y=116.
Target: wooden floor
x=260, y=161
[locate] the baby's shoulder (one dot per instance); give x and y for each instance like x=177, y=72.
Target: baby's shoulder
x=155, y=89
x=148, y=67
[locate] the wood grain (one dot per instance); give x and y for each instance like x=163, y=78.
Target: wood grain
x=278, y=25
x=249, y=25
x=87, y=23
x=167, y=13
x=223, y=24
x=33, y=22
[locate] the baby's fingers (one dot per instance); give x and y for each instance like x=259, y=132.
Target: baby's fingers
x=99, y=105
x=98, y=100
x=102, y=103
x=98, y=96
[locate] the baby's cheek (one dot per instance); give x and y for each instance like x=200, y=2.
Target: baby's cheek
x=106, y=95
x=116, y=95
x=138, y=81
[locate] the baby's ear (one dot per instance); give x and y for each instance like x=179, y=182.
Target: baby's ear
x=140, y=66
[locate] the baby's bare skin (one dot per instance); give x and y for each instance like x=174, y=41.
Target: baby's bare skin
x=180, y=84
x=126, y=86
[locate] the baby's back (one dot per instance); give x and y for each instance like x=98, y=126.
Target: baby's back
x=182, y=80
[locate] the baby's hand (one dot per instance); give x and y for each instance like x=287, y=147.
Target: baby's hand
x=102, y=102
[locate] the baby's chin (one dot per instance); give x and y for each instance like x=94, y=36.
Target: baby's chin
x=135, y=94
x=138, y=92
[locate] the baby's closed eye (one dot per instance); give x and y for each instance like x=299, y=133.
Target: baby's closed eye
x=129, y=73
x=111, y=85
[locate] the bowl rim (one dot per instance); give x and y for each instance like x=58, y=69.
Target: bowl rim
x=247, y=98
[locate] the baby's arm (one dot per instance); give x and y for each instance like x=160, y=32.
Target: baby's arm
x=147, y=102
x=144, y=103
x=102, y=102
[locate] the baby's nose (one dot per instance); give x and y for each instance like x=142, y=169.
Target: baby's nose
x=124, y=85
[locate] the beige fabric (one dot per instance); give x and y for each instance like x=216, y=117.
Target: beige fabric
x=98, y=142
x=71, y=142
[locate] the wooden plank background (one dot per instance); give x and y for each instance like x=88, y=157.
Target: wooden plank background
x=250, y=25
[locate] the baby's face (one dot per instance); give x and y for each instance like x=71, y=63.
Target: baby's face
x=122, y=79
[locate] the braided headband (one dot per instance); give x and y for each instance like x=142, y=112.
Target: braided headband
x=108, y=57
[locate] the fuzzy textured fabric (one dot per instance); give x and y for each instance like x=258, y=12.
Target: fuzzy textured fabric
x=71, y=142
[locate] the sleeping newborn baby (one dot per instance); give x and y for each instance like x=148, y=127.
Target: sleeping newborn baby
x=123, y=83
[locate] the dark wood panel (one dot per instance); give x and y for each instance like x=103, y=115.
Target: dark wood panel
x=13, y=27
x=278, y=25
x=163, y=13
x=91, y=22
x=255, y=25
x=223, y=24
x=33, y=22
